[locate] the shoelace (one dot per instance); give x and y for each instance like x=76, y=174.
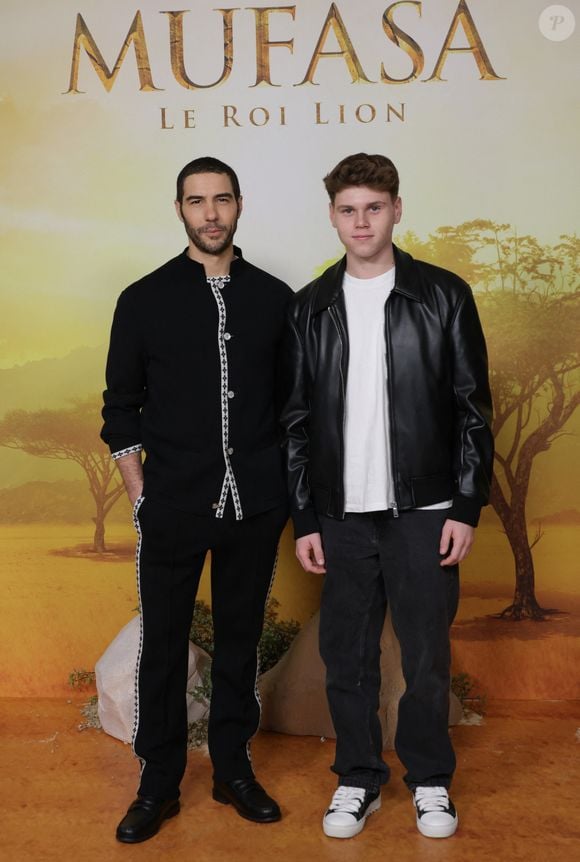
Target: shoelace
x=347, y=799
x=432, y=798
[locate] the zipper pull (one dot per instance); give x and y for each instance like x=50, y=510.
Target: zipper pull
x=395, y=510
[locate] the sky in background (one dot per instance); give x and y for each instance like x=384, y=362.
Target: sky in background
x=87, y=180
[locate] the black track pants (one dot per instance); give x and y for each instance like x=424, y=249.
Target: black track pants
x=171, y=553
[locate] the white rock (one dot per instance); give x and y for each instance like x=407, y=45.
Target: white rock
x=115, y=677
x=293, y=692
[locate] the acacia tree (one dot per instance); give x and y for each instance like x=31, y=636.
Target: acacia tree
x=69, y=434
x=529, y=302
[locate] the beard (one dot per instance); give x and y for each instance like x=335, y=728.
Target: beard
x=209, y=245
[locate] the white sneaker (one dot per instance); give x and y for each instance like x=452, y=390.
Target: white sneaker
x=436, y=815
x=348, y=811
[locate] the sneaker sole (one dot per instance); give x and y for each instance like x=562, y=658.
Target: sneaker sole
x=351, y=831
x=437, y=831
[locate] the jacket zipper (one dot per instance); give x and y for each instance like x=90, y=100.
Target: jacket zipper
x=394, y=503
x=335, y=320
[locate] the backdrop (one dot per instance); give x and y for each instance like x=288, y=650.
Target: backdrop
x=101, y=105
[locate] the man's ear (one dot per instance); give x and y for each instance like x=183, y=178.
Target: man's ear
x=398, y=210
x=332, y=214
x=240, y=205
x=177, y=205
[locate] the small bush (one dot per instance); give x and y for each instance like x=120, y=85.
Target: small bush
x=81, y=679
x=202, y=627
x=277, y=635
x=197, y=730
x=465, y=689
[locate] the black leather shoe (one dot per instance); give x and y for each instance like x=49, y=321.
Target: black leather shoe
x=144, y=818
x=248, y=798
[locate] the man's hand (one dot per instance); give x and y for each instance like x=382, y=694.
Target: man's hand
x=309, y=552
x=134, y=495
x=456, y=541
x=131, y=470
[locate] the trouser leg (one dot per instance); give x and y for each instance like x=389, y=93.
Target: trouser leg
x=169, y=567
x=423, y=597
x=352, y=615
x=242, y=571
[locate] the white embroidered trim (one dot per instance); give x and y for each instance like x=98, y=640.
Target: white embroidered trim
x=136, y=507
x=128, y=451
x=256, y=690
x=217, y=284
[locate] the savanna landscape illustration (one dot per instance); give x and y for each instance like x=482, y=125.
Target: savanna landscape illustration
x=67, y=538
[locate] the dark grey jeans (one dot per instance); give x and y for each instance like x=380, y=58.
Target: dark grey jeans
x=372, y=560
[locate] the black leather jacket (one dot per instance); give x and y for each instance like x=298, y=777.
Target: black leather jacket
x=439, y=397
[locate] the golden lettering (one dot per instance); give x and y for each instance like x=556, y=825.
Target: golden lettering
x=164, y=119
x=402, y=40
x=230, y=116
x=365, y=113
x=347, y=51
x=189, y=119
x=399, y=114
x=475, y=46
x=319, y=120
x=282, y=115
x=372, y=114
x=176, y=43
x=84, y=39
x=332, y=35
x=263, y=43
x=265, y=116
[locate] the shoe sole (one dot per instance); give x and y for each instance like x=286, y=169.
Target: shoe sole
x=171, y=812
x=351, y=831
x=219, y=797
x=437, y=831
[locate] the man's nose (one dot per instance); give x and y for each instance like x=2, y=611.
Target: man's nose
x=362, y=219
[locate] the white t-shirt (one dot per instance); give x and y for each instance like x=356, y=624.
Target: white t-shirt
x=368, y=482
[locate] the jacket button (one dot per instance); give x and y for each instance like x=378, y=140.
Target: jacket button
x=214, y=505
x=227, y=336
x=231, y=393
x=230, y=450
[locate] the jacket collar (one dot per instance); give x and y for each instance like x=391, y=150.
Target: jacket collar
x=194, y=266
x=407, y=281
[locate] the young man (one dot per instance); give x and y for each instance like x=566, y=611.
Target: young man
x=389, y=455
x=191, y=379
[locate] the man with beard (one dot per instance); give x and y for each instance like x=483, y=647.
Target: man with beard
x=191, y=380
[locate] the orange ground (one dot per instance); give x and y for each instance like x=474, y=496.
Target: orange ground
x=516, y=791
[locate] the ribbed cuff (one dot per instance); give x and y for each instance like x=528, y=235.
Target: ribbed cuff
x=465, y=509
x=305, y=522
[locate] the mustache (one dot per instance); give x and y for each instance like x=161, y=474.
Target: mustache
x=211, y=227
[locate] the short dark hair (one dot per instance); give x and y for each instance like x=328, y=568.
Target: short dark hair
x=206, y=165
x=375, y=171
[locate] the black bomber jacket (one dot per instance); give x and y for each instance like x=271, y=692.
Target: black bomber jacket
x=438, y=391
